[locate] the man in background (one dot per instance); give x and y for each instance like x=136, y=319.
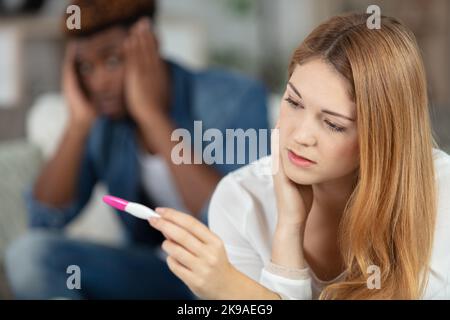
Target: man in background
x=124, y=102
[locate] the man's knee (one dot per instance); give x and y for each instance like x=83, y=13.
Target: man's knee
x=27, y=259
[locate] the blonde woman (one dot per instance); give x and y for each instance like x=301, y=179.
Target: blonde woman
x=358, y=208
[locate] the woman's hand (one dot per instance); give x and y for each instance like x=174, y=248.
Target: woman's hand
x=293, y=204
x=294, y=201
x=82, y=111
x=195, y=254
x=146, y=77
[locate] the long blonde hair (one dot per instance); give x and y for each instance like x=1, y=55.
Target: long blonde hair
x=389, y=219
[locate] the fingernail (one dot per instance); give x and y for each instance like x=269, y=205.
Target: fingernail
x=160, y=210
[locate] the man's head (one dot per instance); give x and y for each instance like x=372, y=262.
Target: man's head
x=99, y=41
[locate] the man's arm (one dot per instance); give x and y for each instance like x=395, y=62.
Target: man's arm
x=195, y=182
x=57, y=182
x=147, y=88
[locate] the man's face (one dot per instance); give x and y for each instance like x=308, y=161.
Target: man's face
x=100, y=64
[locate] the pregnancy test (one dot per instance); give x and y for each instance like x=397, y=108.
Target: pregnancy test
x=136, y=209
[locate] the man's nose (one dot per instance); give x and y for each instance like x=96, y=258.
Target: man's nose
x=100, y=81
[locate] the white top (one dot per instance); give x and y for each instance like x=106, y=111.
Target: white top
x=158, y=182
x=243, y=213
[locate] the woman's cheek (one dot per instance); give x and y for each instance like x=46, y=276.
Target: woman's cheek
x=284, y=123
x=287, y=111
x=346, y=153
x=335, y=152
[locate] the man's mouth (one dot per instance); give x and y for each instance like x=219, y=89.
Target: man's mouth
x=107, y=104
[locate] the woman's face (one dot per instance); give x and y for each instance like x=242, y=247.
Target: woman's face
x=318, y=121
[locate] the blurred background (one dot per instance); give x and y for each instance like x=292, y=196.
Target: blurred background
x=255, y=37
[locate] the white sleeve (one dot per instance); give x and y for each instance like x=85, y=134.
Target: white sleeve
x=227, y=216
x=290, y=284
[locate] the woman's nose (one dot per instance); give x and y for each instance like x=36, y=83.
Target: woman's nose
x=305, y=134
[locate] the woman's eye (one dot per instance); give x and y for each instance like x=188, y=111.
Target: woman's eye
x=334, y=127
x=293, y=103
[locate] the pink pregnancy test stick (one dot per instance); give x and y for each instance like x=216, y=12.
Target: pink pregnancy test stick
x=138, y=210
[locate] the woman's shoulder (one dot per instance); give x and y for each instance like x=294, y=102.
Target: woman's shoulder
x=442, y=172
x=254, y=178
x=248, y=190
x=440, y=262
x=259, y=169
x=441, y=162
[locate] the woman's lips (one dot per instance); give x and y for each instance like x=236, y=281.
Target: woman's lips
x=299, y=161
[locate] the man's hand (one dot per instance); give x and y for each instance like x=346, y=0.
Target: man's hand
x=147, y=78
x=82, y=112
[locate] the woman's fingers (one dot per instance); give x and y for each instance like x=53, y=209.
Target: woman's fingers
x=178, y=235
x=185, y=275
x=179, y=253
x=202, y=265
x=188, y=222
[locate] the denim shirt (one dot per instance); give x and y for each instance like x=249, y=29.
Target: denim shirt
x=221, y=100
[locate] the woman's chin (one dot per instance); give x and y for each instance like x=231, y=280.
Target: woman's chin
x=300, y=176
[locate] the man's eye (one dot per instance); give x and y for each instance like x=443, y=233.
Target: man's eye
x=85, y=68
x=334, y=127
x=113, y=61
x=293, y=103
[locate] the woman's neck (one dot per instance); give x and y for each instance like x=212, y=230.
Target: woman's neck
x=331, y=197
x=321, y=246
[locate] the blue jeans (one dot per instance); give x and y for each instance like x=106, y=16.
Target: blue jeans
x=37, y=263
